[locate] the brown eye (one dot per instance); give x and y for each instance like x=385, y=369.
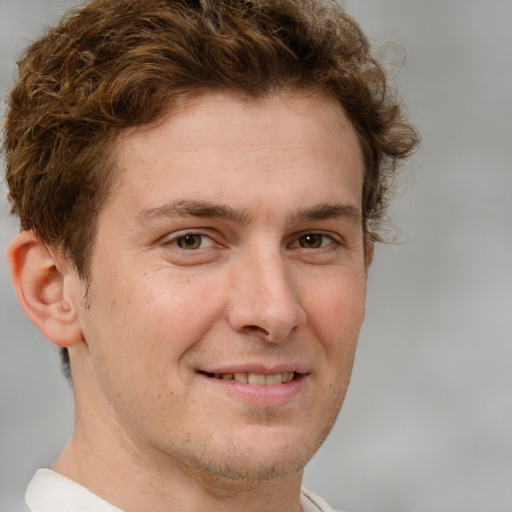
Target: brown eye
x=311, y=241
x=191, y=241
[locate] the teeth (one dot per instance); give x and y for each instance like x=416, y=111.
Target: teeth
x=257, y=379
x=287, y=377
x=273, y=380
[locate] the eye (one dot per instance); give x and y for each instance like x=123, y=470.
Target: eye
x=311, y=241
x=314, y=240
x=192, y=241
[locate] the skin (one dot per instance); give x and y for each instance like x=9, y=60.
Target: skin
x=232, y=242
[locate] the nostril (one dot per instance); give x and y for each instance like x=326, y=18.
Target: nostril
x=256, y=329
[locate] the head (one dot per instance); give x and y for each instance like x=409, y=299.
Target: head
x=118, y=71
x=118, y=64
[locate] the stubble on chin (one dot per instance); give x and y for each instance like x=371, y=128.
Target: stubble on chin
x=243, y=464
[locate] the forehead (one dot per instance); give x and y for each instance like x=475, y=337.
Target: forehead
x=294, y=115
x=225, y=144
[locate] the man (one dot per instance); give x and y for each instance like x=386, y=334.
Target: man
x=200, y=185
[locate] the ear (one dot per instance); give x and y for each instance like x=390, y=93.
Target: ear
x=46, y=286
x=368, y=253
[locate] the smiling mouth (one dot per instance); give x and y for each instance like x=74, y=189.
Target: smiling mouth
x=255, y=379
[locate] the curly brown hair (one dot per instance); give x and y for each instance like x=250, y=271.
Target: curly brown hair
x=122, y=63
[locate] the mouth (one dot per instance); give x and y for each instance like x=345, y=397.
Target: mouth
x=255, y=379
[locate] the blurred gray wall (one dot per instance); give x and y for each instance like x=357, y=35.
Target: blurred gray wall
x=427, y=424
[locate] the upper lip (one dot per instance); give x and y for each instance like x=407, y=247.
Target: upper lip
x=259, y=368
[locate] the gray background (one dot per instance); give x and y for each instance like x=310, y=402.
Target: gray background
x=427, y=423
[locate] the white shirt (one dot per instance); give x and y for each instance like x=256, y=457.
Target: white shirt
x=49, y=491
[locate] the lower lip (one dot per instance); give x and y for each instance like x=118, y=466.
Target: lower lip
x=260, y=395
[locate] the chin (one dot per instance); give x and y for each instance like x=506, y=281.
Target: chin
x=267, y=456
x=241, y=470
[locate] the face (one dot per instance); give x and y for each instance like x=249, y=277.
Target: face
x=227, y=285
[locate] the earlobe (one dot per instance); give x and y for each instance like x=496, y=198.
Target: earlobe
x=42, y=283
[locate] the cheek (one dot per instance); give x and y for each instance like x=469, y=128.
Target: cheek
x=139, y=331
x=335, y=318
x=336, y=310
x=153, y=320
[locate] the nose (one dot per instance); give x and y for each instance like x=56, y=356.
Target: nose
x=264, y=301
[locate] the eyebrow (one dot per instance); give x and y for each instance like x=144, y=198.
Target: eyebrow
x=208, y=209
x=194, y=209
x=325, y=211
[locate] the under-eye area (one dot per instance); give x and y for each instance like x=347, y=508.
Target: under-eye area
x=255, y=379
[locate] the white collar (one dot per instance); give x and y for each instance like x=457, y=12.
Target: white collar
x=49, y=491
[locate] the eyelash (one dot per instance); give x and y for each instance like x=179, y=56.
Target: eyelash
x=324, y=237
x=325, y=240
x=174, y=241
